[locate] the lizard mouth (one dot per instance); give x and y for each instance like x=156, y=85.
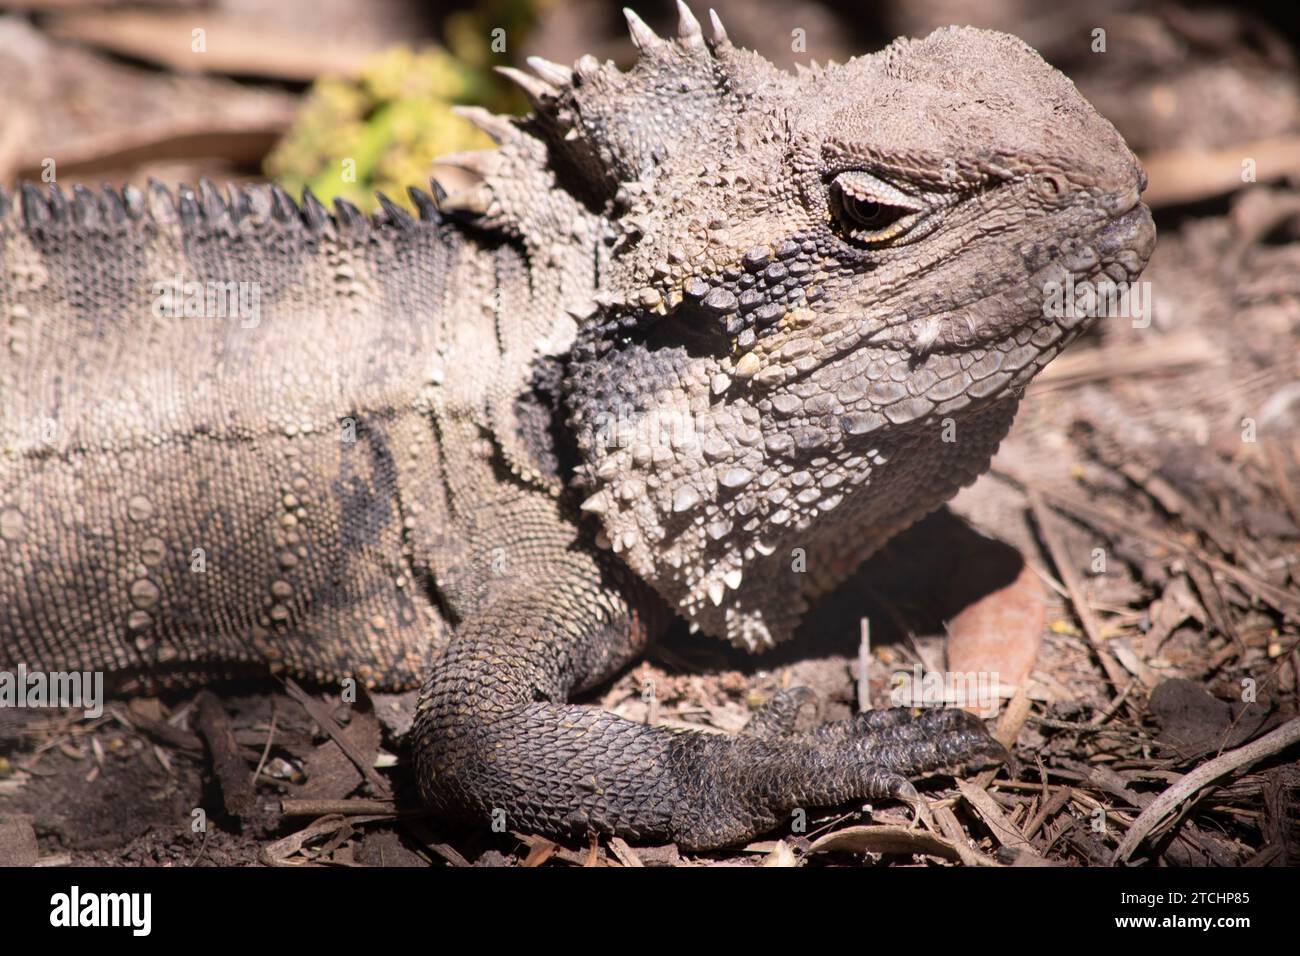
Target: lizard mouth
x=1128, y=239
x=1095, y=277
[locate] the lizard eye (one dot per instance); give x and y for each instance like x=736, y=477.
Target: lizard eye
x=871, y=212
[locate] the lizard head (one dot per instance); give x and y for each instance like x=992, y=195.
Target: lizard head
x=820, y=295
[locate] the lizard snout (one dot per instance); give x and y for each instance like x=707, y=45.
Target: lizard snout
x=1129, y=238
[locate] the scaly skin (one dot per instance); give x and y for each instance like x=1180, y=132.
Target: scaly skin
x=693, y=327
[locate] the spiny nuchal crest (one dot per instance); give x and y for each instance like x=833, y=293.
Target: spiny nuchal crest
x=819, y=296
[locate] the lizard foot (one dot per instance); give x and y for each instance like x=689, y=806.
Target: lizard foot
x=768, y=773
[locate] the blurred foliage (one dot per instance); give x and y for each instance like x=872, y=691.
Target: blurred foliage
x=381, y=130
x=468, y=32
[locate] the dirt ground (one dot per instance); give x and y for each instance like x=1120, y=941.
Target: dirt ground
x=1130, y=566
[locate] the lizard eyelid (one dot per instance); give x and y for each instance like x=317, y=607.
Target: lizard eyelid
x=871, y=211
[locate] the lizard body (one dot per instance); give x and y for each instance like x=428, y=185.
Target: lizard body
x=687, y=321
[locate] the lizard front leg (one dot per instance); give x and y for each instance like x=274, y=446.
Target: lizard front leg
x=494, y=732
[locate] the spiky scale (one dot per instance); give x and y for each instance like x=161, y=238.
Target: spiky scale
x=474, y=200
x=314, y=213
x=212, y=203
x=424, y=203
x=85, y=208
x=538, y=90
x=688, y=28
x=60, y=211
x=350, y=217
x=188, y=204
x=283, y=208
x=395, y=214
x=643, y=38
x=551, y=72
x=240, y=206
x=162, y=204
x=499, y=127
x=481, y=163
x=36, y=211
x=720, y=38
x=135, y=201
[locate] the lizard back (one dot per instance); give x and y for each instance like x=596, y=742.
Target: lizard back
x=214, y=419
